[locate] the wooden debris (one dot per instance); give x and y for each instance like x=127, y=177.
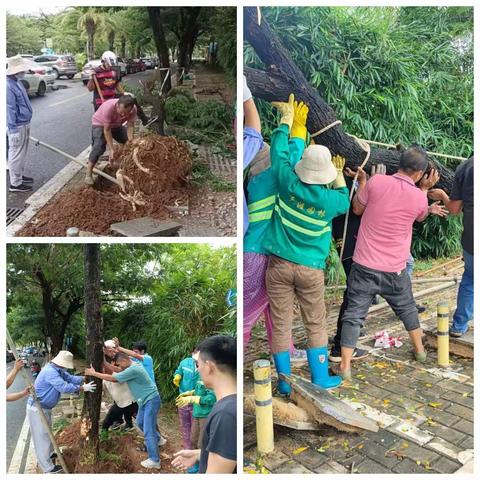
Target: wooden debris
x=325, y=408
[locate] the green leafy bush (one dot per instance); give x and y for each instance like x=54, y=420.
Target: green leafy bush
x=391, y=75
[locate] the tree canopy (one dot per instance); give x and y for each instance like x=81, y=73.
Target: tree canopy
x=393, y=75
x=88, y=31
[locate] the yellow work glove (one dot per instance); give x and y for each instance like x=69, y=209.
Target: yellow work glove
x=185, y=394
x=177, y=379
x=184, y=401
x=339, y=164
x=286, y=109
x=300, y=114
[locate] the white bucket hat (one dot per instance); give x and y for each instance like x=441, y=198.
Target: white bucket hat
x=64, y=359
x=16, y=65
x=316, y=167
x=109, y=344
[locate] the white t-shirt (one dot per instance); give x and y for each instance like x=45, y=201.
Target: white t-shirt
x=120, y=393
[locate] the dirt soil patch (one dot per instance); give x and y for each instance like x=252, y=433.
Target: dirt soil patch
x=154, y=171
x=118, y=453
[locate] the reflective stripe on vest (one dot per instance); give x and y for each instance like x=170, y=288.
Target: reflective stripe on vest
x=260, y=216
x=305, y=231
x=264, y=202
x=301, y=216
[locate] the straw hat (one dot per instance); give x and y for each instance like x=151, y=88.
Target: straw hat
x=316, y=167
x=109, y=344
x=16, y=65
x=64, y=359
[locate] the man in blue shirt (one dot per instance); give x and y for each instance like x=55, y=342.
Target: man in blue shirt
x=51, y=382
x=139, y=354
x=19, y=115
x=145, y=393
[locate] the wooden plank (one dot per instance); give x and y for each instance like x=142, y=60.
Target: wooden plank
x=463, y=346
x=146, y=227
x=322, y=406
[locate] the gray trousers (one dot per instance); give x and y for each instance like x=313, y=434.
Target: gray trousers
x=17, y=153
x=41, y=441
x=99, y=144
x=363, y=284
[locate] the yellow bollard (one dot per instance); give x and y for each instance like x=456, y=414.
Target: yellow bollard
x=443, y=317
x=263, y=405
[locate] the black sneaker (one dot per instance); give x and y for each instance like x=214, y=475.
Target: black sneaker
x=358, y=354
x=27, y=179
x=21, y=188
x=420, y=308
x=56, y=469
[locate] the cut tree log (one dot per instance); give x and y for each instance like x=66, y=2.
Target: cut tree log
x=282, y=77
x=285, y=413
x=325, y=408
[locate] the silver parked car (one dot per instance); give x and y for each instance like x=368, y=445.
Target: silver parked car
x=38, y=78
x=62, y=65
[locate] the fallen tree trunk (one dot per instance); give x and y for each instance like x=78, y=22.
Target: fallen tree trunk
x=282, y=77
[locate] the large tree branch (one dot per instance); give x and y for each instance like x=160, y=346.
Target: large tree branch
x=282, y=77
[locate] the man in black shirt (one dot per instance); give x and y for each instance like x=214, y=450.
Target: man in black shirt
x=217, y=366
x=461, y=199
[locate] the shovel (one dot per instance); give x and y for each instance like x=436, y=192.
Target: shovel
x=76, y=160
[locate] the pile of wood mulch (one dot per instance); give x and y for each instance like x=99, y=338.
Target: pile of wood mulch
x=154, y=170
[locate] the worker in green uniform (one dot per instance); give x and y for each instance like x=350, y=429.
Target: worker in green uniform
x=310, y=194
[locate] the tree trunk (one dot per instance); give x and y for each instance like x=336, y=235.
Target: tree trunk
x=155, y=16
x=123, y=45
x=282, y=77
x=90, y=45
x=187, y=35
x=111, y=40
x=94, y=346
x=57, y=343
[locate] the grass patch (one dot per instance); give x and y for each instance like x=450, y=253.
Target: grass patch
x=202, y=176
x=59, y=424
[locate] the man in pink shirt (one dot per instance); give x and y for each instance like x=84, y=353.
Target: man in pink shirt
x=389, y=206
x=107, y=125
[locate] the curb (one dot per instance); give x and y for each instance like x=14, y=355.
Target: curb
x=45, y=193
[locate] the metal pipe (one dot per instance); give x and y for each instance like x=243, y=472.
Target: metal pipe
x=43, y=418
x=421, y=274
x=415, y=281
x=421, y=293
x=76, y=160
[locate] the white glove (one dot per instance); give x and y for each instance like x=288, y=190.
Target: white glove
x=14, y=138
x=247, y=94
x=89, y=387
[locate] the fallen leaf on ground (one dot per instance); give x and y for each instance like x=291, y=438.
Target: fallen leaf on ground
x=395, y=453
x=300, y=450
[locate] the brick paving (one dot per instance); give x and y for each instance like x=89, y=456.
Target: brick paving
x=426, y=412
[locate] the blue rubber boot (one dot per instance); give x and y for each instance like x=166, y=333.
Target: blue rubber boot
x=318, y=363
x=282, y=365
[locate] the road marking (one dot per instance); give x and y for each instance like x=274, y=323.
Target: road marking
x=69, y=99
x=17, y=457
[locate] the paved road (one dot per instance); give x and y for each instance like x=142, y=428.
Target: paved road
x=15, y=413
x=62, y=119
